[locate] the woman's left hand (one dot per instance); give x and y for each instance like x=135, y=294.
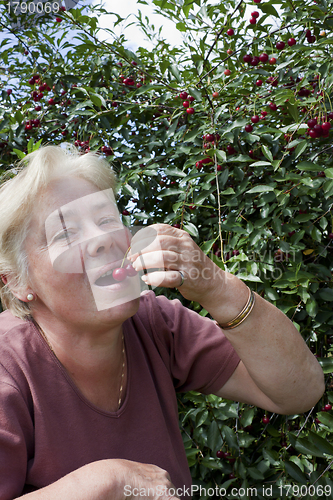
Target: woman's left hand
x=178, y=258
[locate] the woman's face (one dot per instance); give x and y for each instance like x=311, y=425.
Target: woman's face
x=75, y=241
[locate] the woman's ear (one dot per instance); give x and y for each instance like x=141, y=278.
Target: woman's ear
x=23, y=293
x=3, y=279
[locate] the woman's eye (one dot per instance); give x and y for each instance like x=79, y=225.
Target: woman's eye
x=63, y=236
x=109, y=220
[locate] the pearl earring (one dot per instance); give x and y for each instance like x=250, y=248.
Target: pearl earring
x=30, y=297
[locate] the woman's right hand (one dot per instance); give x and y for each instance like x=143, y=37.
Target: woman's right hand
x=144, y=481
x=112, y=479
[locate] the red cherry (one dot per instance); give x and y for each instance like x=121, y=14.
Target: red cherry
x=257, y=1
x=125, y=212
x=264, y=113
x=263, y=57
x=177, y=225
x=58, y=19
x=219, y=168
x=291, y=42
x=220, y=454
x=38, y=108
x=229, y=52
x=330, y=236
x=186, y=104
x=230, y=149
x=51, y=101
x=259, y=83
x=248, y=128
x=230, y=32
x=317, y=128
x=130, y=270
x=280, y=45
x=255, y=61
x=183, y=95
x=265, y=420
x=227, y=72
x=255, y=119
x=313, y=134
x=247, y=58
x=255, y=14
x=210, y=137
x=273, y=106
x=215, y=95
x=312, y=122
x=205, y=161
x=63, y=8
x=9, y=91
x=191, y=98
x=325, y=127
x=253, y=20
x=190, y=111
x=119, y=274
x=26, y=52
x=272, y=60
x=328, y=407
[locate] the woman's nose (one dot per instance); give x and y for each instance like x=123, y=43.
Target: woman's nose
x=99, y=242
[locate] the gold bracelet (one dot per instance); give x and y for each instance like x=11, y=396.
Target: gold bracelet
x=242, y=315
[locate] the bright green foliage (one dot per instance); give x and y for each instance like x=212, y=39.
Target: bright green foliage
x=261, y=205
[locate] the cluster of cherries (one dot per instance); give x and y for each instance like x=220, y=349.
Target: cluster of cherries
x=31, y=124
x=254, y=17
x=187, y=101
x=255, y=60
x=106, y=150
x=317, y=130
x=121, y=273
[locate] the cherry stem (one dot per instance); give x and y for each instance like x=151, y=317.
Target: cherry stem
x=129, y=248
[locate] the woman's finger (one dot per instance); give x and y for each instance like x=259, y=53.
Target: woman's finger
x=165, y=259
x=167, y=279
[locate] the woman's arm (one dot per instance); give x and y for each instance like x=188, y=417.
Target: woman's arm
x=113, y=479
x=277, y=370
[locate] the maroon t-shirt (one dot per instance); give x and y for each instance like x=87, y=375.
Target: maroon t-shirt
x=48, y=428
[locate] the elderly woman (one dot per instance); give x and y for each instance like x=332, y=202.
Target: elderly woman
x=89, y=366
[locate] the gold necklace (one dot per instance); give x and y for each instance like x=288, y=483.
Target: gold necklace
x=41, y=331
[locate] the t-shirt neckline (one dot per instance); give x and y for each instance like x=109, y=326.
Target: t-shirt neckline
x=70, y=381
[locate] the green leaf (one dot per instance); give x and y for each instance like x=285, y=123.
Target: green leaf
x=326, y=294
x=326, y=364
x=261, y=164
x=267, y=153
x=329, y=173
x=247, y=417
x=308, y=166
x=321, y=443
x=295, y=472
x=213, y=435
x=191, y=229
x=300, y=148
x=19, y=153
x=326, y=419
x=260, y=189
x=175, y=72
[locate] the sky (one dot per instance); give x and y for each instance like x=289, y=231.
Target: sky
x=133, y=34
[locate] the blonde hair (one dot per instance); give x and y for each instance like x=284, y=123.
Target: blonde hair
x=19, y=196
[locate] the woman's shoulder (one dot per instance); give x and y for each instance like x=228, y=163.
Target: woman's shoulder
x=17, y=341
x=8, y=322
